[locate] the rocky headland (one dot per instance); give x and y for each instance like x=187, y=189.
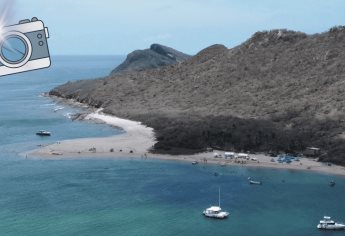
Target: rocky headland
x=280, y=90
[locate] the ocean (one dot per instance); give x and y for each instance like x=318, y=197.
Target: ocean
x=135, y=196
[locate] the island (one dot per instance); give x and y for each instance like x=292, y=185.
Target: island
x=279, y=91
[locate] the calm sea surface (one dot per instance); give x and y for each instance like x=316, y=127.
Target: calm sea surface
x=135, y=197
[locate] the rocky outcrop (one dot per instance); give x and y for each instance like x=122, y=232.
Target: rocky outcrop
x=156, y=56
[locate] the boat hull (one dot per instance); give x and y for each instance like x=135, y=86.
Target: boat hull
x=331, y=227
x=221, y=215
x=42, y=134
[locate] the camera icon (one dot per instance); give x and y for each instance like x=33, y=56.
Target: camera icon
x=24, y=47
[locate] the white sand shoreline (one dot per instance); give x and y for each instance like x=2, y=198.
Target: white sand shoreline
x=138, y=139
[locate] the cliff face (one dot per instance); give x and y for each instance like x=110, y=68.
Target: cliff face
x=279, y=90
x=154, y=57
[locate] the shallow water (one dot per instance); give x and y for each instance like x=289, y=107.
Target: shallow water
x=135, y=196
x=23, y=111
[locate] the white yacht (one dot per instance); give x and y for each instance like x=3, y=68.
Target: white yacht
x=328, y=223
x=216, y=211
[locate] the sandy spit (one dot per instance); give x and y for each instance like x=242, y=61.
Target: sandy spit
x=137, y=140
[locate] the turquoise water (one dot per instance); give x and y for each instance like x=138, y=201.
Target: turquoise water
x=136, y=196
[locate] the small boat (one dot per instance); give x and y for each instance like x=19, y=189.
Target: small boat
x=328, y=223
x=57, y=153
x=215, y=211
x=255, y=182
x=58, y=109
x=195, y=162
x=332, y=183
x=43, y=133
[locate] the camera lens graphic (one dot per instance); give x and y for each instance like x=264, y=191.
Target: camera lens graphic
x=15, y=49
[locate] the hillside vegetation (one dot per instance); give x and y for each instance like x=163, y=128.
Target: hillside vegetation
x=278, y=91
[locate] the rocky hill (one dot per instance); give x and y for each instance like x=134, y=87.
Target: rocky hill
x=278, y=91
x=156, y=56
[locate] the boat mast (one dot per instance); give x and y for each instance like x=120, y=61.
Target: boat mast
x=219, y=196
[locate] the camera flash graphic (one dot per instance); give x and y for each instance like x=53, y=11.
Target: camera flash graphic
x=6, y=13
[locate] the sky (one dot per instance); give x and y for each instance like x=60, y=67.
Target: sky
x=112, y=27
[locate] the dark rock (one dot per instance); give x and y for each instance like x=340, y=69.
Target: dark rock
x=156, y=56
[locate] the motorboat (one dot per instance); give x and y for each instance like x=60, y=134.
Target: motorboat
x=215, y=211
x=43, y=133
x=255, y=182
x=58, y=109
x=328, y=223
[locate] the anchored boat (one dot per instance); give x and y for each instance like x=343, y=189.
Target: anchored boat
x=255, y=182
x=328, y=223
x=43, y=133
x=215, y=211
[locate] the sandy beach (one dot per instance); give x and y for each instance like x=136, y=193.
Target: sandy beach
x=137, y=140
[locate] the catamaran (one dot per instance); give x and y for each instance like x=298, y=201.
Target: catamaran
x=216, y=211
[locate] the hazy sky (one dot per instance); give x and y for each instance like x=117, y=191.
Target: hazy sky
x=118, y=27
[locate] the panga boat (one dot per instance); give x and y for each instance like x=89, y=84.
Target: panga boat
x=255, y=182
x=43, y=133
x=215, y=211
x=328, y=223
